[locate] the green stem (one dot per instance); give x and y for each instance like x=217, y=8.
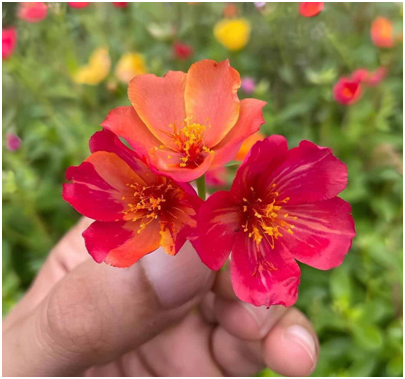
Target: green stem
x=201, y=187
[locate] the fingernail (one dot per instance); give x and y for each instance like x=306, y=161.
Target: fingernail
x=177, y=279
x=299, y=335
x=264, y=317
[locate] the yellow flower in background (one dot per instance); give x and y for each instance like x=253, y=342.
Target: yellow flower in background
x=97, y=70
x=233, y=34
x=129, y=66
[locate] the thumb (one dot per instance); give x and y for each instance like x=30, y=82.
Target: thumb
x=97, y=313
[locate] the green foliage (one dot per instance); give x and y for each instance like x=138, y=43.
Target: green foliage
x=356, y=308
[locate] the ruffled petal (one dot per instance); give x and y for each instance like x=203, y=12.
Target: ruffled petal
x=211, y=98
x=168, y=162
x=99, y=184
x=109, y=142
x=262, y=275
x=265, y=155
x=309, y=173
x=219, y=221
x=322, y=234
x=119, y=244
x=250, y=119
x=125, y=123
x=159, y=102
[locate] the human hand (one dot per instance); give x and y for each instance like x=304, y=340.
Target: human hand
x=164, y=316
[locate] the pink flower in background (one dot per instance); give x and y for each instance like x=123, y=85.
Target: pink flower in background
x=120, y=5
x=182, y=51
x=216, y=177
x=248, y=85
x=310, y=9
x=259, y=5
x=371, y=78
x=79, y=5
x=347, y=91
x=32, y=12
x=282, y=207
x=9, y=40
x=13, y=143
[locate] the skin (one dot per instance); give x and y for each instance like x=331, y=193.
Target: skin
x=164, y=316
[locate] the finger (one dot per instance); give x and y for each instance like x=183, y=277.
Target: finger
x=223, y=285
x=64, y=257
x=97, y=313
x=207, y=308
x=292, y=348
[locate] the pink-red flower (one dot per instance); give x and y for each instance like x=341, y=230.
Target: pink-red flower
x=216, y=177
x=347, y=91
x=182, y=50
x=13, y=142
x=382, y=32
x=9, y=40
x=135, y=210
x=282, y=207
x=32, y=12
x=79, y=5
x=310, y=9
x=120, y=5
x=186, y=123
x=372, y=78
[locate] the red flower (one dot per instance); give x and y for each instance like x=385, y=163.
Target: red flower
x=32, y=12
x=135, y=210
x=182, y=51
x=382, y=32
x=310, y=9
x=9, y=37
x=120, y=5
x=79, y=5
x=370, y=78
x=282, y=206
x=347, y=91
x=184, y=124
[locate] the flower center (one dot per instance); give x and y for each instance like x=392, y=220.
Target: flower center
x=190, y=142
x=148, y=202
x=266, y=220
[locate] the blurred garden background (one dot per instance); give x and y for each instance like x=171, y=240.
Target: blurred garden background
x=66, y=66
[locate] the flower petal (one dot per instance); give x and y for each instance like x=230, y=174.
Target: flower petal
x=323, y=232
x=109, y=142
x=211, y=93
x=125, y=123
x=91, y=195
x=119, y=244
x=160, y=162
x=250, y=119
x=271, y=280
x=309, y=173
x=219, y=221
x=264, y=156
x=159, y=102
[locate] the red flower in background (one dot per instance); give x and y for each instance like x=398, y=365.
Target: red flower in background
x=310, y=9
x=185, y=124
x=347, y=91
x=9, y=40
x=79, y=5
x=32, y=12
x=372, y=78
x=135, y=210
x=282, y=206
x=382, y=32
x=230, y=10
x=120, y=5
x=182, y=50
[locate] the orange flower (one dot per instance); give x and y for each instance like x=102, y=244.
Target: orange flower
x=247, y=145
x=382, y=32
x=185, y=124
